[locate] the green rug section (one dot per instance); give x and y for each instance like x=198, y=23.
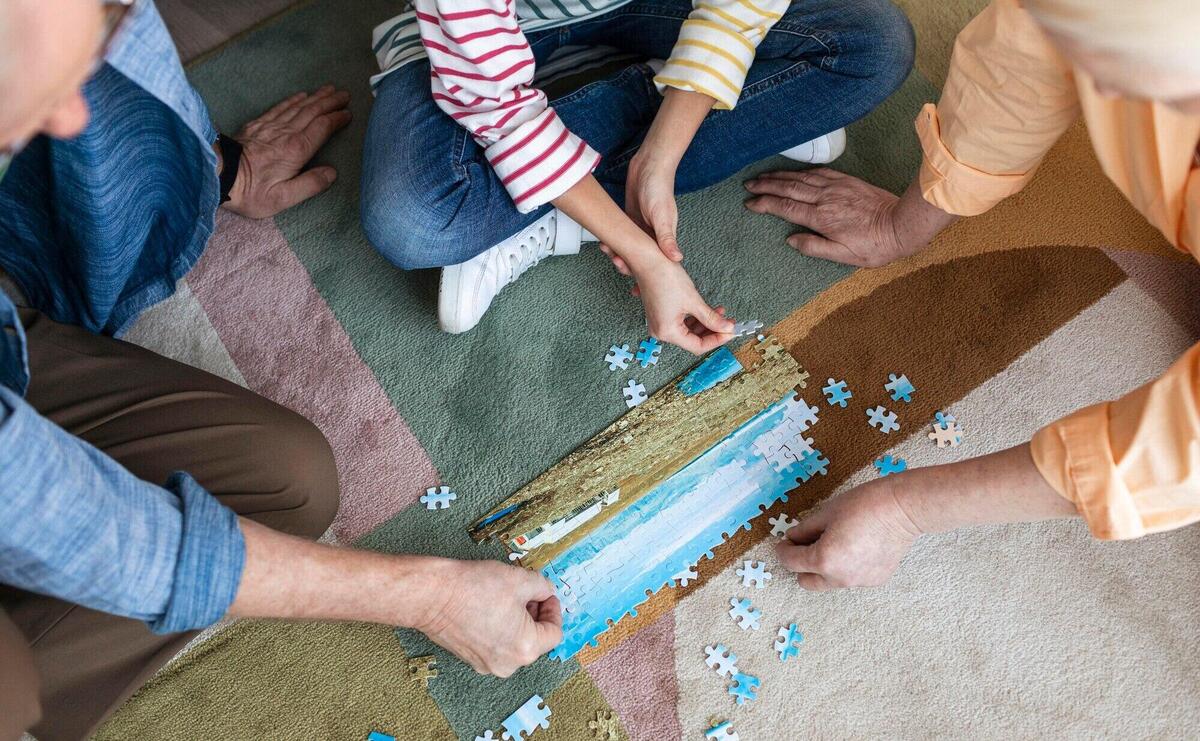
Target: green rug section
x=497, y=406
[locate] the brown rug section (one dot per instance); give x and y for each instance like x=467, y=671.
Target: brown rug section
x=960, y=328
x=285, y=683
x=936, y=26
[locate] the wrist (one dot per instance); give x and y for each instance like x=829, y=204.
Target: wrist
x=654, y=159
x=425, y=591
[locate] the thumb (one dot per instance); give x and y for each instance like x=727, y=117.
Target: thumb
x=808, y=530
x=304, y=186
x=666, y=223
x=712, y=319
x=547, y=626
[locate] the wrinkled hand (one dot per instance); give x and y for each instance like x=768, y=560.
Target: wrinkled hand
x=497, y=618
x=853, y=220
x=278, y=145
x=675, y=311
x=857, y=539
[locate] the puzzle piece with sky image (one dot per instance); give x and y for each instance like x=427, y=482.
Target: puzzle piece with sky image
x=950, y=435
x=534, y=714
x=883, y=420
x=836, y=393
x=754, y=574
x=618, y=357
x=721, y=660
x=788, y=645
x=887, y=465
x=635, y=393
x=647, y=354
x=744, y=688
x=781, y=523
x=438, y=497
x=744, y=614
x=900, y=388
x=722, y=731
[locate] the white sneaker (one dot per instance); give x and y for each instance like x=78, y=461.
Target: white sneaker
x=819, y=151
x=467, y=289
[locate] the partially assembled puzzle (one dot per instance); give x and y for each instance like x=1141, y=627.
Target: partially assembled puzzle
x=636, y=507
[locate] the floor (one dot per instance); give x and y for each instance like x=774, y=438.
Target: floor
x=199, y=26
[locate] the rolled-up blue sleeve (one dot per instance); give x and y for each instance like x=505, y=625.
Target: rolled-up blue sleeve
x=76, y=525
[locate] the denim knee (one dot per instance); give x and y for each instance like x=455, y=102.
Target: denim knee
x=409, y=230
x=890, y=45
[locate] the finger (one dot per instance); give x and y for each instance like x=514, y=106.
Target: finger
x=618, y=263
x=713, y=319
x=804, y=176
x=799, y=559
x=323, y=127
x=794, y=189
x=636, y=291
x=304, y=186
x=797, y=212
x=548, y=632
x=685, y=340
x=535, y=588
x=283, y=105
x=710, y=342
x=814, y=245
x=666, y=223
x=294, y=110
x=813, y=582
x=827, y=172
x=320, y=106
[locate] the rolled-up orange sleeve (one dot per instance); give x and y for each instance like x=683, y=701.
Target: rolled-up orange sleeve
x=1131, y=466
x=1008, y=97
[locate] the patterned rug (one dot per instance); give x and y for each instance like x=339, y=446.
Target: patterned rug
x=1060, y=297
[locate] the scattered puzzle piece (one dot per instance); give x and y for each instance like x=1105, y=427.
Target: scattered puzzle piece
x=618, y=357
x=837, y=393
x=635, y=393
x=744, y=614
x=721, y=660
x=722, y=731
x=438, y=497
x=378, y=736
x=534, y=714
x=780, y=524
x=887, y=465
x=741, y=329
x=883, y=420
x=423, y=669
x=950, y=435
x=744, y=688
x=754, y=574
x=788, y=645
x=944, y=419
x=648, y=352
x=685, y=576
x=487, y=736
x=901, y=388
x=604, y=727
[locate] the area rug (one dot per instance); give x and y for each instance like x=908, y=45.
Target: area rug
x=1060, y=297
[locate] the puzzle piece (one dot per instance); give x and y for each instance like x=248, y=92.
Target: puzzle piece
x=685, y=576
x=635, y=393
x=438, y=497
x=648, y=351
x=604, y=727
x=423, y=669
x=788, y=645
x=487, y=736
x=813, y=463
x=721, y=660
x=534, y=714
x=797, y=411
x=882, y=419
x=377, y=736
x=618, y=357
x=950, y=435
x=900, y=387
x=741, y=329
x=722, y=731
x=780, y=524
x=943, y=419
x=744, y=614
x=887, y=465
x=754, y=574
x=744, y=688
x=837, y=393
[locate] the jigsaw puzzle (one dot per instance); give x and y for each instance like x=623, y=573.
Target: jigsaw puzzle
x=635, y=393
x=836, y=393
x=685, y=576
x=887, y=465
x=534, y=714
x=744, y=614
x=721, y=731
x=788, y=645
x=378, y=736
x=943, y=419
x=487, y=736
x=781, y=523
x=754, y=574
x=744, y=687
x=948, y=435
x=721, y=660
x=604, y=727
x=741, y=329
x=618, y=357
x=900, y=388
x=438, y=497
x=882, y=419
x=423, y=669
x=648, y=351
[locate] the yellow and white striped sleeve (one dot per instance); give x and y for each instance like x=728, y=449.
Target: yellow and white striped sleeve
x=716, y=47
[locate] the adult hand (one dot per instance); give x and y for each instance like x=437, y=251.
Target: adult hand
x=675, y=311
x=857, y=539
x=495, y=617
x=854, y=221
x=278, y=145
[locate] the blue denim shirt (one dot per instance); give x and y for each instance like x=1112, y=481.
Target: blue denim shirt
x=94, y=230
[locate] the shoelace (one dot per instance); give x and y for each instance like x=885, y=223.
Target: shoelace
x=529, y=252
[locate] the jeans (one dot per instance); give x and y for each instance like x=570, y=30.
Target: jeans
x=430, y=198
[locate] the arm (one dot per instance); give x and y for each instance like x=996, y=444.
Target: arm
x=1008, y=97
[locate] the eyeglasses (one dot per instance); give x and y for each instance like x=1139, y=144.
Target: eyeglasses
x=116, y=16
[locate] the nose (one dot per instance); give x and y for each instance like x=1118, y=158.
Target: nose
x=69, y=119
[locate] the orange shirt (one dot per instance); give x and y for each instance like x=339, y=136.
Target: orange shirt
x=1131, y=466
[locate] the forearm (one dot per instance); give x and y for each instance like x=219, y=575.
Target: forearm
x=996, y=488
x=588, y=203
x=293, y=578
x=674, y=127
x=916, y=221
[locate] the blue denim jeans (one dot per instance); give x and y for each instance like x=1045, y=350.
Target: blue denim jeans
x=430, y=198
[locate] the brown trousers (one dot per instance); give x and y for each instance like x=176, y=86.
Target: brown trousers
x=65, y=668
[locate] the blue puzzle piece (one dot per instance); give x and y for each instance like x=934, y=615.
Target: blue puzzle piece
x=814, y=462
x=377, y=736
x=788, y=645
x=888, y=465
x=618, y=357
x=837, y=393
x=744, y=688
x=944, y=420
x=529, y=717
x=648, y=352
x=900, y=387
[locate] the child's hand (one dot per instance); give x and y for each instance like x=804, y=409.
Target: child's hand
x=675, y=311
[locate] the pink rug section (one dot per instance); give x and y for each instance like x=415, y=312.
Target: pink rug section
x=290, y=348
x=637, y=677
x=1174, y=285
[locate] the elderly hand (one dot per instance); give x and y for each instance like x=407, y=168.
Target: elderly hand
x=495, y=617
x=277, y=146
x=853, y=220
x=857, y=539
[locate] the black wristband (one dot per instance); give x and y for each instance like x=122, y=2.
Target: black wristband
x=231, y=158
